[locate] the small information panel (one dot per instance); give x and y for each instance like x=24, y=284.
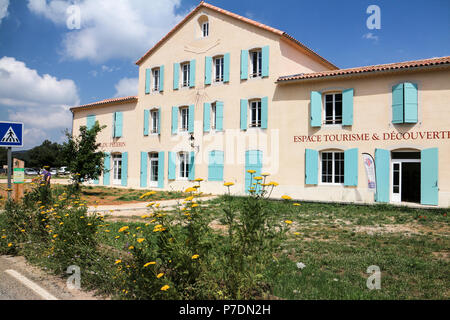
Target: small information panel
x=19, y=175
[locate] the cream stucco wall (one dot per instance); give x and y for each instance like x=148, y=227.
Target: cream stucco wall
x=288, y=114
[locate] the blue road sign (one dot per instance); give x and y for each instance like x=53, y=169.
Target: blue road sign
x=11, y=134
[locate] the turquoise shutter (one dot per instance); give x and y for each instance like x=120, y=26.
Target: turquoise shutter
x=253, y=161
x=219, y=116
x=397, y=103
x=106, y=169
x=161, y=169
x=161, y=78
x=226, y=67
x=244, y=64
x=143, y=176
x=124, y=173
x=172, y=165
x=264, y=112
x=192, y=166
x=316, y=109
x=215, y=166
x=159, y=120
x=208, y=66
x=192, y=73
x=191, y=118
x=410, y=99
x=351, y=167
x=176, y=76
x=429, y=173
x=174, y=120
x=265, y=61
x=311, y=166
x=347, y=107
x=148, y=74
x=244, y=105
x=90, y=121
x=146, y=121
x=118, y=124
x=206, y=116
x=382, y=164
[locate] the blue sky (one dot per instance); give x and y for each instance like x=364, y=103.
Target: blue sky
x=45, y=67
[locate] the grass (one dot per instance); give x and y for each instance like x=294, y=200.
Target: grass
x=337, y=243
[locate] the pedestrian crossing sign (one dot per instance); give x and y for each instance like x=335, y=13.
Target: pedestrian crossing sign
x=11, y=134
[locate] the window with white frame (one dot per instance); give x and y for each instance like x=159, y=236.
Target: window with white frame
x=183, y=165
x=218, y=69
x=332, y=167
x=156, y=78
x=154, y=163
x=184, y=118
x=154, y=116
x=213, y=116
x=255, y=63
x=255, y=113
x=117, y=168
x=185, y=73
x=205, y=29
x=333, y=108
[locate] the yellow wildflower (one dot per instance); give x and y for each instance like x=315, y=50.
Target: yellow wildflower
x=251, y=171
x=140, y=240
x=149, y=263
x=189, y=198
x=165, y=288
x=296, y=204
x=10, y=244
x=257, y=178
x=287, y=221
x=227, y=184
x=195, y=256
x=130, y=247
x=190, y=189
x=195, y=205
x=160, y=275
x=286, y=197
x=118, y=261
x=123, y=228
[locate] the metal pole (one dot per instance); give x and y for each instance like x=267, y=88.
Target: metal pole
x=9, y=171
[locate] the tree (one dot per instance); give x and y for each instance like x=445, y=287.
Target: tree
x=81, y=154
x=47, y=154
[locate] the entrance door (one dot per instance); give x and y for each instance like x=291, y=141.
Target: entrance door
x=396, y=190
x=153, y=169
x=117, y=169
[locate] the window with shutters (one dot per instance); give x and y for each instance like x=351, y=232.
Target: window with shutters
x=185, y=74
x=218, y=68
x=184, y=118
x=154, y=120
x=255, y=113
x=183, y=165
x=255, y=63
x=156, y=79
x=332, y=108
x=332, y=167
x=213, y=116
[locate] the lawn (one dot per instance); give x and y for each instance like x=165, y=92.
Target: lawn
x=337, y=243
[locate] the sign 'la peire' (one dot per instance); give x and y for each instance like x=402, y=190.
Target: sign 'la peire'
x=221, y=94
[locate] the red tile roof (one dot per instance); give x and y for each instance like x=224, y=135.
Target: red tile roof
x=238, y=17
x=107, y=101
x=376, y=68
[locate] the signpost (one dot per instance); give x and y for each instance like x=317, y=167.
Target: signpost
x=11, y=135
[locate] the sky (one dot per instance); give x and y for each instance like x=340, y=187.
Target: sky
x=55, y=54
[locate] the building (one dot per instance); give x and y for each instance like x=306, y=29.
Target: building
x=221, y=94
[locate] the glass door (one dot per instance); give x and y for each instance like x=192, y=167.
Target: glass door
x=396, y=191
x=153, y=170
x=117, y=169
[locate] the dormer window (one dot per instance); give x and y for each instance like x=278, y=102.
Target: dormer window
x=205, y=29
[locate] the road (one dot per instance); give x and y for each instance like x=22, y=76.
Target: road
x=21, y=281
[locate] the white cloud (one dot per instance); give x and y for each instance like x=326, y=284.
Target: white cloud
x=111, y=29
x=41, y=102
x=370, y=36
x=126, y=87
x=3, y=9
x=22, y=86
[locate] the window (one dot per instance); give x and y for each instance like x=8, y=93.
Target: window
x=256, y=63
x=154, y=114
x=332, y=170
x=218, y=69
x=183, y=161
x=117, y=169
x=184, y=118
x=213, y=116
x=156, y=78
x=185, y=72
x=333, y=108
x=205, y=29
x=255, y=114
x=154, y=169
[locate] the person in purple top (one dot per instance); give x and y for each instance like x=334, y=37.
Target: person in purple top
x=47, y=175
